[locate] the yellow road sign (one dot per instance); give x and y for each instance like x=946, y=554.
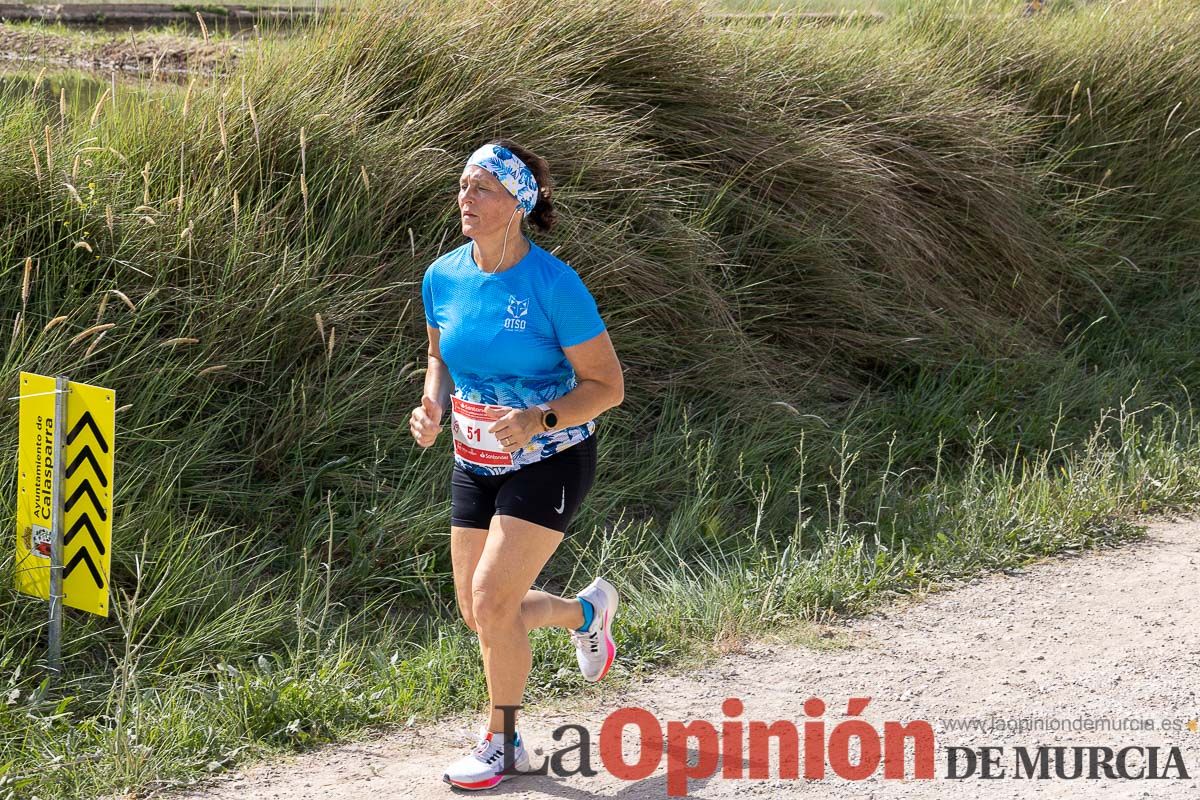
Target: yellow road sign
x=88, y=442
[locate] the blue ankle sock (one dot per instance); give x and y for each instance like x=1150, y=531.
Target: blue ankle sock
x=588, y=613
x=499, y=737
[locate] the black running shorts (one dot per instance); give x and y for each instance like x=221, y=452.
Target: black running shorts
x=546, y=492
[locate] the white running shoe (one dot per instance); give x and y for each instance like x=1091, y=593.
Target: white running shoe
x=483, y=768
x=595, y=648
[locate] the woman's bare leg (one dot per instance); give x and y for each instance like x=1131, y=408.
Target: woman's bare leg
x=514, y=554
x=539, y=609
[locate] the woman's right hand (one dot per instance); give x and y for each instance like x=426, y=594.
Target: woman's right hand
x=425, y=423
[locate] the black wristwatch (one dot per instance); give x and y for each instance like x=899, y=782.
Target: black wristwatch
x=549, y=417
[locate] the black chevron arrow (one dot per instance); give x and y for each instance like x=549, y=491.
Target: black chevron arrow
x=84, y=522
x=86, y=419
x=86, y=487
x=86, y=452
x=85, y=557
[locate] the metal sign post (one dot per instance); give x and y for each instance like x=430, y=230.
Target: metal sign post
x=54, y=650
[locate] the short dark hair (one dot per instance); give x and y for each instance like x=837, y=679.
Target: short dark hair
x=543, y=216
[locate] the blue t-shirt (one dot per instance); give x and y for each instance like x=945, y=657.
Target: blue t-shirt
x=503, y=334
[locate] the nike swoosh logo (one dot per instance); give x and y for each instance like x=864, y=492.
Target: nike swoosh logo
x=562, y=503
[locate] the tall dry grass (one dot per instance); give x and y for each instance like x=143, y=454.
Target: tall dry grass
x=849, y=269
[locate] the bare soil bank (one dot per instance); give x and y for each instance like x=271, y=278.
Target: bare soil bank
x=142, y=53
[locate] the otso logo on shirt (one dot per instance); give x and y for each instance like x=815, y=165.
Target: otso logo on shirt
x=517, y=309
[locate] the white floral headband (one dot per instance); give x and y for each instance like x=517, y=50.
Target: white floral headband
x=510, y=171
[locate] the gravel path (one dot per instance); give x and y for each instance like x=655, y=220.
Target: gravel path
x=1104, y=636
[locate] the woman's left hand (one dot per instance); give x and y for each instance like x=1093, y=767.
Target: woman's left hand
x=515, y=427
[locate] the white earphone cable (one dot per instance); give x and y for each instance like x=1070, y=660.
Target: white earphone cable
x=504, y=249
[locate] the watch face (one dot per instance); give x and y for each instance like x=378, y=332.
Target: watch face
x=551, y=420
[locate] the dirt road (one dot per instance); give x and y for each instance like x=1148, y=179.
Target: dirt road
x=1101, y=639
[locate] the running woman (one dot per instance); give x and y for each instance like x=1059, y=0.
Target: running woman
x=520, y=355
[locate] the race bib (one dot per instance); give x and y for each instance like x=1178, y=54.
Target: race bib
x=472, y=441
